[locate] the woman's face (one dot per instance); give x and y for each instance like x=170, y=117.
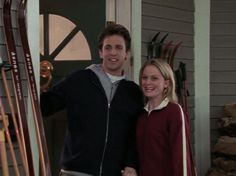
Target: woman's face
x=153, y=83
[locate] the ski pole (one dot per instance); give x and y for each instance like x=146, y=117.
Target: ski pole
x=9, y=141
x=19, y=140
x=185, y=91
x=3, y=154
x=179, y=86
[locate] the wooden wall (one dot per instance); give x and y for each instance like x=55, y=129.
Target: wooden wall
x=223, y=60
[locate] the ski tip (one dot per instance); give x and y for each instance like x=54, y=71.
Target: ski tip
x=7, y=2
x=164, y=37
x=155, y=37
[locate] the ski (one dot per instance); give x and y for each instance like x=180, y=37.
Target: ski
x=155, y=46
x=164, y=52
x=172, y=56
x=160, y=46
x=17, y=85
x=152, y=46
x=42, y=144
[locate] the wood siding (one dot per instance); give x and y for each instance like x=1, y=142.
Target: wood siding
x=222, y=60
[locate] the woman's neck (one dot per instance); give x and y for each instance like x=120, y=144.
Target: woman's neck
x=153, y=103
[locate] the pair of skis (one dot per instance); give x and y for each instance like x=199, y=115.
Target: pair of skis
x=17, y=85
x=157, y=49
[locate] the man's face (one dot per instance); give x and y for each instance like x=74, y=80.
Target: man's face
x=114, y=54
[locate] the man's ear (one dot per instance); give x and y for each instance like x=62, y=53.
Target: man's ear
x=100, y=53
x=128, y=55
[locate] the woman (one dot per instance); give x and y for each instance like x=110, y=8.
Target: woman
x=162, y=128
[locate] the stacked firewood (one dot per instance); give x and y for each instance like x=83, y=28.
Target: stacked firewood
x=224, y=162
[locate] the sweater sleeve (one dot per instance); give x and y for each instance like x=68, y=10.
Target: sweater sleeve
x=178, y=140
x=53, y=100
x=131, y=155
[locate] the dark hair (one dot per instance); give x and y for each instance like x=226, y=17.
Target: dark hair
x=115, y=29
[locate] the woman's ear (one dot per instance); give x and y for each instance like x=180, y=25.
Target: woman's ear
x=167, y=83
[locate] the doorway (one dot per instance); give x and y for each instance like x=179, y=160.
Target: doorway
x=69, y=30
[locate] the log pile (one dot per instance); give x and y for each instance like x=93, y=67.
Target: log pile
x=224, y=162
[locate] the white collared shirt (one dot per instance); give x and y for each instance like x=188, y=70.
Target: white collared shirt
x=160, y=106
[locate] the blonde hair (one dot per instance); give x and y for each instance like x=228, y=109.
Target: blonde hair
x=167, y=73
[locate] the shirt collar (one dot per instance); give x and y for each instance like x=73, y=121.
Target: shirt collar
x=114, y=78
x=160, y=106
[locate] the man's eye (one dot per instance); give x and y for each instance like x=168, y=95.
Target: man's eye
x=107, y=47
x=119, y=47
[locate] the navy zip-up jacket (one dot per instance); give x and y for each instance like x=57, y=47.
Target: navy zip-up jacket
x=100, y=138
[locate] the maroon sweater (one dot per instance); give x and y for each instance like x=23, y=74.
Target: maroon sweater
x=163, y=142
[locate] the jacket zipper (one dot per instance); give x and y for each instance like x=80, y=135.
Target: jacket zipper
x=107, y=129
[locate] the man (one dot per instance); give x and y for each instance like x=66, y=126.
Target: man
x=102, y=107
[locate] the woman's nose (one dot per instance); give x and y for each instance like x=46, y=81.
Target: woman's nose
x=148, y=81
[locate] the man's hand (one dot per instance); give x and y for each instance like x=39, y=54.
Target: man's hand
x=129, y=171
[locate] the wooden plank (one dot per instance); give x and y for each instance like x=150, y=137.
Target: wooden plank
x=223, y=53
x=223, y=41
x=226, y=17
x=223, y=65
x=223, y=6
x=223, y=89
x=223, y=29
x=167, y=25
x=223, y=77
x=183, y=4
x=152, y=10
x=221, y=100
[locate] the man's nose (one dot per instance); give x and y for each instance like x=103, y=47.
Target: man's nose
x=113, y=51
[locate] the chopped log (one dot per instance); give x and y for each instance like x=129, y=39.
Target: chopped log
x=230, y=110
x=227, y=126
x=225, y=164
x=226, y=145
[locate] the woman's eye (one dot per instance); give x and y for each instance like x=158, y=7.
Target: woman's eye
x=144, y=77
x=154, y=78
